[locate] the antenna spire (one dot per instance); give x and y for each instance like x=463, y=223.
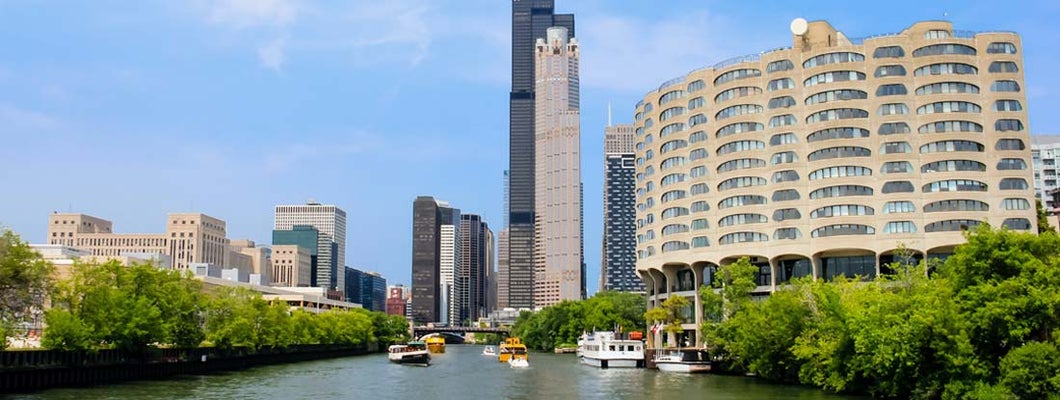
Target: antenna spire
x=609, y=113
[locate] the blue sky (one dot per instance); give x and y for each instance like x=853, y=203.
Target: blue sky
x=130, y=110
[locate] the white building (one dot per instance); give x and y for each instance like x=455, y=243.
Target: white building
x=330, y=221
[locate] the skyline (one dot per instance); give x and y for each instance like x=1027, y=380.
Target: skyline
x=271, y=88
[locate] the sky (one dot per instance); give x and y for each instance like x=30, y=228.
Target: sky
x=132, y=110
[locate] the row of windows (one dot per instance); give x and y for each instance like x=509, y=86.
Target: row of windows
x=833, y=58
x=736, y=110
x=736, y=92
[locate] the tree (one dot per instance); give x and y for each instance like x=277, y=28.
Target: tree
x=1032, y=371
x=671, y=314
x=24, y=284
x=1043, y=219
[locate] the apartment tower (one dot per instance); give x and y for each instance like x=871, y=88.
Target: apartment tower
x=618, y=268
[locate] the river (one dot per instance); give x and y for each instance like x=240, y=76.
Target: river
x=461, y=373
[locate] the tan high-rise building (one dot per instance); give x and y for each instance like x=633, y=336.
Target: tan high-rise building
x=259, y=258
x=502, y=270
x=836, y=156
x=292, y=265
x=558, y=259
x=63, y=229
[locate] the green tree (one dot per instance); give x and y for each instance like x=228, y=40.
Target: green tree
x=1043, y=219
x=24, y=284
x=563, y=323
x=671, y=314
x=1032, y=371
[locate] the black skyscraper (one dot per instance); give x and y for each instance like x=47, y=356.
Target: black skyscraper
x=620, y=242
x=530, y=19
x=426, y=251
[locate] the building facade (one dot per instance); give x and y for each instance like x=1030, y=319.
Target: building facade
x=397, y=296
x=330, y=223
x=292, y=265
x=426, y=260
x=502, y=270
x=530, y=19
x=830, y=157
x=475, y=241
x=1045, y=154
x=449, y=262
x=618, y=267
x=558, y=259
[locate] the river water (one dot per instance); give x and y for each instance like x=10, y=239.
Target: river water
x=461, y=373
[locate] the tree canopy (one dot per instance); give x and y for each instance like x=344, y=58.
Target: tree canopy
x=24, y=282
x=562, y=324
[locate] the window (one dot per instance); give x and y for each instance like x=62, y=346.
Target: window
x=740, y=109
x=670, y=163
x=884, y=71
x=736, y=75
x=899, y=227
x=840, y=191
x=674, y=212
x=1005, y=125
x=785, y=176
x=892, y=109
x=696, y=85
x=1012, y=184
x=700, y=224
x=649, y=154
x=1003, y=67
x=898, y=207
x=741, y=163
x=888, y=52
x=1007, y=164
x=836, y=114
x=780, y=84
x=697, y=154
x=741, y=145
x=898, y=187
x=937, y=34
x=1009, y=144
x=700, y=241
x=696, y=137
x=672, y=128
x=839, y=152
x=1008, y=105
x=783, y=120
x=786, y=214
x=952, y=165
x=672, y=145
x=698, y=172
x=742, y=91
x=950, y=126
x=946, y=146
x=946, y=48
x=779, y=65
x=896, y=167
x=743, y=219
x=673, y=195
x=947, y=87
x=956, y=205
x=697, y=120
x=782, y=139
x=785, y=157
x=670, y=96
x=695, y=103
x=834, y=76
x=1004, y=86
x=837, y=133
x=1016, y=204
x=699, y=206
x=843, y=230
x=739, y=127
x=894, y=128
x=674, y=246
x=839, y=172
x=837, y=95
x=785, y=195
x=1018, y=224
x=951, y=225
x=895, y=89
x=833, y=58
x=741, y=181
x=955, y=185
x=841, y=210
x=698, y=189
x=674, y=229
x=742, y=200
x=672, y=179
x=948, y=107
x=1001, y=48
x=787, y=234
x=743, y=237
x=946, y=69
x=781, y=102
x=671, y=112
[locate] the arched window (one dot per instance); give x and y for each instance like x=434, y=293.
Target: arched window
x=888, y=52
x=897, y=187
x=843, y=230
x=736, y=75
x=1003, y=67
x=956, y=205
x=741, y=200
x=946, y=69
x=739, y=127
x=842, y=210
x=736, y=92
x=1001, y=48
x=836, y=114
x=884, y=71
x=741, y=163
x=743, y=219
x=743, y=237
x=1013, y=184
x=840, y=191
x=1017, y=224
x=952, y=165
x=894, y=89
x=833, y=58
x=951, y=225
x=839, y=152
x=741, y=181
x=894, y=128
x=779, y=65
x=950, y=126
x=785, y=195
x=1008, y=164
x=780, y=84
x=944, y=48
x=955, y=185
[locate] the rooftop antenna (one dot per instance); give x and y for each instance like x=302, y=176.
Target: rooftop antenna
x=609, y=113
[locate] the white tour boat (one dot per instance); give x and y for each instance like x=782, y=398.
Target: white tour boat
x=518, y=363
x=489, y=351
x=610, y=350
x=688, y=361
x=415, y=353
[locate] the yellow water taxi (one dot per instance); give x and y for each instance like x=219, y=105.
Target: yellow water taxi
x=436, y=344
x=512, y=348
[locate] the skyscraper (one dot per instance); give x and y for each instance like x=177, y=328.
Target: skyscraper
x=430, y=303
x=618, y=269
x=330, y=223
x=449, y=264
x=503, y=268
x=472, y=285
x=530, y=19
x=558, y=259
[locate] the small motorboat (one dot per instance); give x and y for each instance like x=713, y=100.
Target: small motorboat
x=688, y=361
x=518, y=363
x=489, y=351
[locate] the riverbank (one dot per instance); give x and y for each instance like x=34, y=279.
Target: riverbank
x=25, y=371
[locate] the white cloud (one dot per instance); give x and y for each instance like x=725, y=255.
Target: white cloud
x=272, y=54
x=389, y=31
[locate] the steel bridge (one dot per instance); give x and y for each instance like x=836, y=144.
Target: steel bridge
x=420, y=331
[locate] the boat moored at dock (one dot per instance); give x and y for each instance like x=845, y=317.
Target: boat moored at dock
x=610, y=350
x=688, y=361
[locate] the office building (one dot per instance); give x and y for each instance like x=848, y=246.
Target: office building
x=618, y=266
x=559, y=265
x=833, y=157
x=397, y=297
x=530, y=19
x=1045, y=153
x=429, y=302
x=473, y=285
x=449, y=262
x=292, y=265
x=330, y=223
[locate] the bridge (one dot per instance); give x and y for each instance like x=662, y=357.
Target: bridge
x=420, y=331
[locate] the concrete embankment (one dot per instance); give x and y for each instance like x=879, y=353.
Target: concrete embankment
x=22, y=371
